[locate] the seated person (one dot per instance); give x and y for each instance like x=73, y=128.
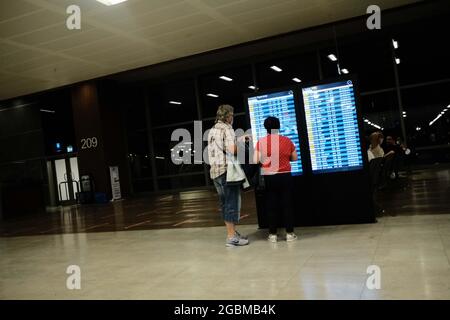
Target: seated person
x=400, y=151
x=375, y=150
x=391, y=145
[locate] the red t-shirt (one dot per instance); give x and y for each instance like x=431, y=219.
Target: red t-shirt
x=273, y=160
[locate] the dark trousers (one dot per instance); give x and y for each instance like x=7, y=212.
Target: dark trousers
x=279, y=200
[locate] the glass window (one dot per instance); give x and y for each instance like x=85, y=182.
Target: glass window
x=423, y=51
x=173, y=102
x=427, y=114
x=370, y=59
x=139, y=157
x=225, y=87
x=164, y=147
x=381, y=109
x=134, y=105
x=287, y=71
x=55, y=109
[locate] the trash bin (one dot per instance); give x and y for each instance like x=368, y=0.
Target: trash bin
x=87, y=190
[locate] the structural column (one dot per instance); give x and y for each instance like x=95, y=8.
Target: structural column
x=98, y=131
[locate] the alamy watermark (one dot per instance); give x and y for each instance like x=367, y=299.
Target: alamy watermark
x=73, y=281
x=373, y=282
x=191, y=150
x=73, y=21
x=374, y=20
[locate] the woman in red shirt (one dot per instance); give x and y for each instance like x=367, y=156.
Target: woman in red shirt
x=275, y=152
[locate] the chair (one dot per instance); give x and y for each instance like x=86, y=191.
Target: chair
x=388, y=167
x=375, y=172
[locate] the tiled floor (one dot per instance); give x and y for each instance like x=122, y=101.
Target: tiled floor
x=172, y=247
x=423, y=191
x=193, y=263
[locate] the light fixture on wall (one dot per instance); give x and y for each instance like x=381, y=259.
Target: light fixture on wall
x=345, y=71
x=110, y=2
x=175, y=102
x=252, y=87
x=297, y=80
x=212, y=95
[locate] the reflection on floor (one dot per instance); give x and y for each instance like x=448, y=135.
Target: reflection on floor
x=424, y=191
x=328, y=262
x=421, y=192
x=185, y=209
x=173, y=248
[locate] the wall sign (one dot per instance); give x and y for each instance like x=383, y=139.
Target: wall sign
x=89, y=143
x=115, y=183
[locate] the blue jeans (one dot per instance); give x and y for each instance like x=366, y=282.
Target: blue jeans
x=229, y=199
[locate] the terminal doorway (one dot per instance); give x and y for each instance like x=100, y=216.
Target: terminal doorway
x=64, y=179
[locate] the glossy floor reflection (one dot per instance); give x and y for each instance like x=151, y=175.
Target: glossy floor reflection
x=193, y=263
x=424, y=191
x=179, y=210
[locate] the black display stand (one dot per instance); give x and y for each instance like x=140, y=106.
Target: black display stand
x=324, y=198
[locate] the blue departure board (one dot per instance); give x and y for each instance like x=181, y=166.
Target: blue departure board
x=332, y=125
x=280, y=105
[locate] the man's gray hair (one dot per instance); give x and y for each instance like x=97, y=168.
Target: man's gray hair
x=223, y=112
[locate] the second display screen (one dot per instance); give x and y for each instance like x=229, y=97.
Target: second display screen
x=332, y=124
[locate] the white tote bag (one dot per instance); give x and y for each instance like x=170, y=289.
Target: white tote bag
x=235, y=174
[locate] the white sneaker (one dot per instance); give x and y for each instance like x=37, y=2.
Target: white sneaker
x=272, y=238
x=291, y=237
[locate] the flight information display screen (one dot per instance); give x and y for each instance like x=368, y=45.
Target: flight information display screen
x=281, y=105
x=332, y=125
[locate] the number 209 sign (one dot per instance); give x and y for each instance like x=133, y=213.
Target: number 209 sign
x=89, y=143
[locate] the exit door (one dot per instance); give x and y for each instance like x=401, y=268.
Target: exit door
x=67, y=180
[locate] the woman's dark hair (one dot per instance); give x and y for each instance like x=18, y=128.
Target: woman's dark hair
x=271, y=123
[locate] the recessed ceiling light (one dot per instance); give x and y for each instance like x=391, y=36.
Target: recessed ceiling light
x=332, y=57
x=212, y=95
x=395, y=44
x=226, y=78
x=174, y=102
x=48, y=111
x=344, y=71
x=397, y=60
x=277, y=69
x=253, y=88
x=296, y=79
x=111, y=2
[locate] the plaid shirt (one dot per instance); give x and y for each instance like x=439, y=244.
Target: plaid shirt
x=220, y=137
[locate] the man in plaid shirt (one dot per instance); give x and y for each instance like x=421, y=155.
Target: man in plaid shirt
x=222, y=141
